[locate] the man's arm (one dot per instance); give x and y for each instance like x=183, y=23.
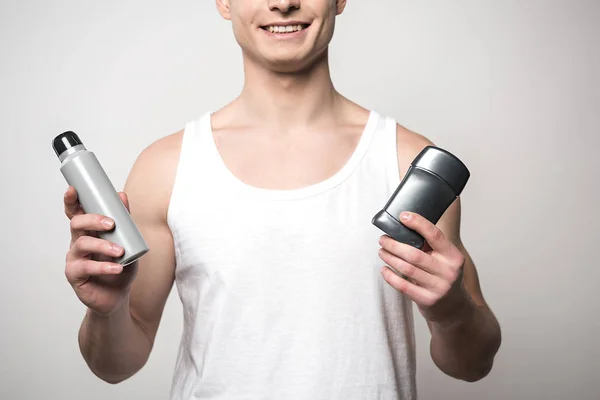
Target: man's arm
x=464, y=348
x=117, y=346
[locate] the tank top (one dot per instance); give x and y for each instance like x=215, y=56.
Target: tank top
x=281, y=289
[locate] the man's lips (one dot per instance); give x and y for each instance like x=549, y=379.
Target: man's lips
x=285, y=27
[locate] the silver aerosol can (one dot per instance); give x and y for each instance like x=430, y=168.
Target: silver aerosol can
x=97, y=195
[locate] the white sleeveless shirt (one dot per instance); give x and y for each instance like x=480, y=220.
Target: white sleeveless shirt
x=281, y=290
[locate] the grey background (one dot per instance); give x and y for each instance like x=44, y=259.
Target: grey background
x=512, y=87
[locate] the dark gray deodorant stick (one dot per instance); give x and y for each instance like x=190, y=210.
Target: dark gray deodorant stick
x=433, y=181
x=97, y=195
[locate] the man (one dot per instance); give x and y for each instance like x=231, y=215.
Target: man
x=261, y=214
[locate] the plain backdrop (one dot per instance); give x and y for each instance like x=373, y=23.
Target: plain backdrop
x=511, y=87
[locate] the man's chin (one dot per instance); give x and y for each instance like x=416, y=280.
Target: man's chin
x=287, y=66
x=290, y=64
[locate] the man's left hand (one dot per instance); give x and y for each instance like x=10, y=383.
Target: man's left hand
x=433, y=275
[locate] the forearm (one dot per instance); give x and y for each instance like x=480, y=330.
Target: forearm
x=465, y=349
x=115, y=347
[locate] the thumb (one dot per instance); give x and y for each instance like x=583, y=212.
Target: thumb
x=125, y=200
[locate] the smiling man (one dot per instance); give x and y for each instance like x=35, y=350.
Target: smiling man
x=261, y=213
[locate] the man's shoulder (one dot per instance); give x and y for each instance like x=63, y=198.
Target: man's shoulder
x=152, y=175
x=162, y=149
x=159, y=156
x=409, y=144
x=411, y=140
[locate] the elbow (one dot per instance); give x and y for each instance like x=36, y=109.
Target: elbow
x=115, y=374
x=116, y=379
x=111, y=373
x=468, y=358
x=482, y=369
x=467, y=373
x=111, y=378
x=471, y=367
x=476, y=374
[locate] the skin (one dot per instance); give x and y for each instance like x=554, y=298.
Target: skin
x=301, y=131
x=443, y=282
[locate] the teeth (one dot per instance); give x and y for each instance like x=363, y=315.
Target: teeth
x=284, y=29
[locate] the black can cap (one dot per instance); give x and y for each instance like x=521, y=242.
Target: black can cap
x=65, y=141
x=445, y=165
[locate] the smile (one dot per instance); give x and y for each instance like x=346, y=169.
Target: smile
x=285, y=29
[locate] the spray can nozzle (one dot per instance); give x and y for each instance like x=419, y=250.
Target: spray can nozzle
x=65, y=141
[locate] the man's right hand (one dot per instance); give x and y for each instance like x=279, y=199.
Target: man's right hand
x=99, y=283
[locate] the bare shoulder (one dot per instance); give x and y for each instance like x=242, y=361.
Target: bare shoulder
x=409, y=144
x=150, y=181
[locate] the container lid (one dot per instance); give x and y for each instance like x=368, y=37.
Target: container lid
x=65, y=141
x=445, y=165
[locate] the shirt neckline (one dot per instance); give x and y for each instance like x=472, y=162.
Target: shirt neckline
x=303, y=192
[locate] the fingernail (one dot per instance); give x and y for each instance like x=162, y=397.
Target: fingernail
x=107, y=222
x=117, y=249
x=405, y=216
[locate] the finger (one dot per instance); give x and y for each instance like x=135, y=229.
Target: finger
x=416, y=293
x=434, y=236
x=410, y=254
x=80, y=224
x=125, y=200
x=416, y=274
x=81, y=270
x=86, y=245
x=71, y=203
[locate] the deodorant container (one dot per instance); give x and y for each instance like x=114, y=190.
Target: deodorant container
x=97, y=195
x=432, y=183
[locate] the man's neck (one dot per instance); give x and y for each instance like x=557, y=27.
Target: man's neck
x=289, y=102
